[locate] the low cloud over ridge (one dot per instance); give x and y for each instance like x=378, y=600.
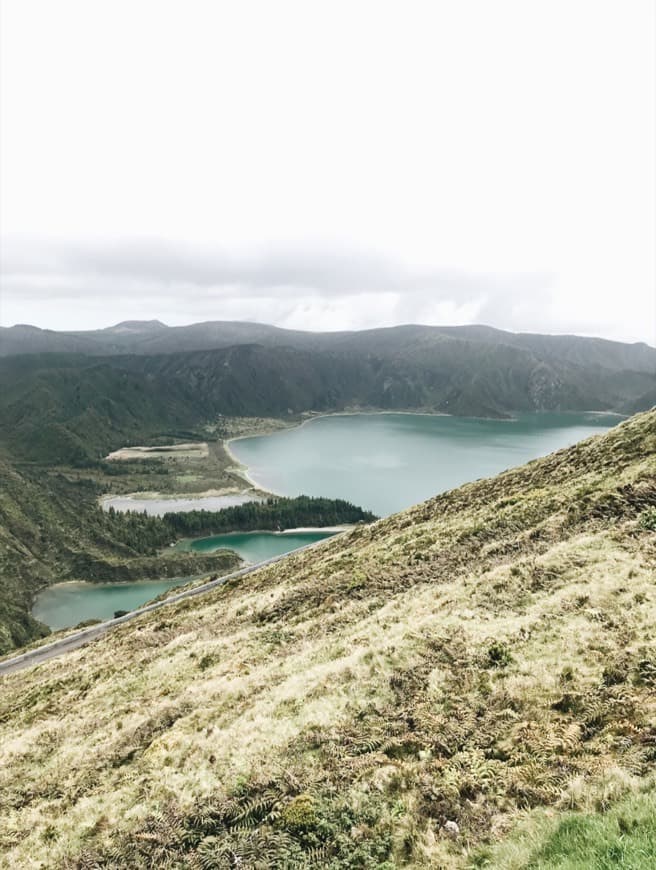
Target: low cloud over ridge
x=302, y=287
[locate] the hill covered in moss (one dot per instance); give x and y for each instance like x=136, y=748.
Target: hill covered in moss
x=469, y=683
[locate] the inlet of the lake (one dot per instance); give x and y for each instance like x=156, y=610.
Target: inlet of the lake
x=157, y=507
x=67, y=604
x=258, y=546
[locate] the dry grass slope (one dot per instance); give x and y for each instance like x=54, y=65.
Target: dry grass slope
x=487, y=658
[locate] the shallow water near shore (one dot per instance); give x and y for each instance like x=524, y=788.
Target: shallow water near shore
x=67, y=604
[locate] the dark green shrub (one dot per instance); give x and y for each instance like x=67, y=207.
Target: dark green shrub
x=498, y=655
x=299, y=814
x=207, y=661
x=567, y=674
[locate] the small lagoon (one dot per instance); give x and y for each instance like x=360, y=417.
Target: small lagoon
x=157, y=507
x=258, y=546
x=67, y=604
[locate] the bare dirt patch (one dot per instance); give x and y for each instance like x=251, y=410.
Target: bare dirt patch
x=193, y=450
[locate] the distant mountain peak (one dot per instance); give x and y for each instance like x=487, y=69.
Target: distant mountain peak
x=136, y=326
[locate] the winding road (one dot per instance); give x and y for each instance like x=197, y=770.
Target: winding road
x=86, y=635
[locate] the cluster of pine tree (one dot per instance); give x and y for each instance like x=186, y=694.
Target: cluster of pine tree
x=137, y=531
x=271, y=515
x=144, y=534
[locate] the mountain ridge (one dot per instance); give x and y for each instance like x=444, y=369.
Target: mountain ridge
x=152, y=336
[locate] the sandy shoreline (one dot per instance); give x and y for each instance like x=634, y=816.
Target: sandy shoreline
x=297, y=531
x=154, y=495
x=242, y=470
x=302, y=529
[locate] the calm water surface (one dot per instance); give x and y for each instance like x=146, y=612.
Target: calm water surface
x=387, y=462
x=257, y=546
x=69, y=603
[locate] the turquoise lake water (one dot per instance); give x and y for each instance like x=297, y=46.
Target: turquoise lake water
x=382, y=462
x=258, y=546
x=387, y=462
x=70, y=603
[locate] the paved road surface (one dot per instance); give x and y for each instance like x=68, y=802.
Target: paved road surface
x=86, y=635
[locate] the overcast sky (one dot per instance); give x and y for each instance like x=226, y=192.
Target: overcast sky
x=326, y=164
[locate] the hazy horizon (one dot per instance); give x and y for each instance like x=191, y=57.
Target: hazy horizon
x=330, y=167
x=113, y=325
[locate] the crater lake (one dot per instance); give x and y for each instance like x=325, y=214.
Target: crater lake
x=387, y=462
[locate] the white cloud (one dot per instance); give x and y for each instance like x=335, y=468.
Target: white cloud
x=403, y=139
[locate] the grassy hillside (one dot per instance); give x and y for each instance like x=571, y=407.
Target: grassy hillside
x=469, y=683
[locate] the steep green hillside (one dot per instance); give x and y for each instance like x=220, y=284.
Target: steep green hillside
x=51, y=530
x=469, y=683
x=72, y=409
